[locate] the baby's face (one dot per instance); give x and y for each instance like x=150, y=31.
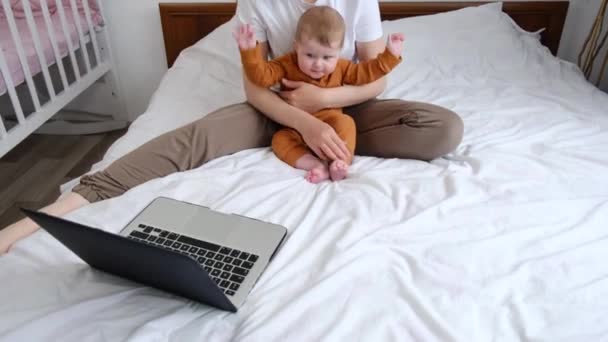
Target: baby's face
x=316, y=60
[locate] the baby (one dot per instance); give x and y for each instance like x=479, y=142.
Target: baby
x=318, y=42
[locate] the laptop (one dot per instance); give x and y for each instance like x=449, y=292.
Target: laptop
x=183, y=248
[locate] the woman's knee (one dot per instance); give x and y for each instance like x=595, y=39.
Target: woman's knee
x=450, y=131
x=410, y=130
x=442, y=132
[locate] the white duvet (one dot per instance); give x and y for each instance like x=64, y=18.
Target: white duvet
x=503, y=240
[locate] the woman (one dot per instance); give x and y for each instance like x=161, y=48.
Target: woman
x=385, y=128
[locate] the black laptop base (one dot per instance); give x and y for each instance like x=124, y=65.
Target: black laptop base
x=143, y=263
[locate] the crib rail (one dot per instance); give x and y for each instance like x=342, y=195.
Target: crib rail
x=88, y=56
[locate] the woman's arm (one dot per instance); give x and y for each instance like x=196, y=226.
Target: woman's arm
x=319, y=136
x=312, y=99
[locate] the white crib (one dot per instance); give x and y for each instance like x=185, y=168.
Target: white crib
x=53, y=51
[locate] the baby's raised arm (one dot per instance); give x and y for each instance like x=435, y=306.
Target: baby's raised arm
x=245, y=37
x=369, y=71
x=395, y=44
x=258, y=70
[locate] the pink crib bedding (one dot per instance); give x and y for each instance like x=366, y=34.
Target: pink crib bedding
x=10, y=50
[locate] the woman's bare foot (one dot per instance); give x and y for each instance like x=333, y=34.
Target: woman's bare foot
x=25, y=227
x=338, y=170
x=5, y=240
x=317, y=175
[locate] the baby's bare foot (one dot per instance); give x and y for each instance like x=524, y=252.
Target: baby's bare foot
x=317, y=175
x=338, y=170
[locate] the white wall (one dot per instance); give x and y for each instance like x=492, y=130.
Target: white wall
x=139, y=55
x=137, y=43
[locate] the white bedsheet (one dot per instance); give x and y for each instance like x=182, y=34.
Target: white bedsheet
x=503, y=240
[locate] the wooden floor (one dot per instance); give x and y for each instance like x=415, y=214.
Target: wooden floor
x=31, y=173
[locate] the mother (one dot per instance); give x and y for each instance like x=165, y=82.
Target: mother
x=385, y=128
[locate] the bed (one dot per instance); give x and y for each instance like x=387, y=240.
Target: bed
x=502, y=240
x=51, y=52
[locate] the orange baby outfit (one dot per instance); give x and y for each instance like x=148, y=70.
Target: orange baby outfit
x=287, y=143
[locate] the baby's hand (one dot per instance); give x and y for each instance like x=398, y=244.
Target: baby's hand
x=395, y=43
x=244, y=36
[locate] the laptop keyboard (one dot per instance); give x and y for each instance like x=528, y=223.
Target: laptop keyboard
x=227, y=267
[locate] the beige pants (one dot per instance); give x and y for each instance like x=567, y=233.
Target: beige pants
x=385, y=128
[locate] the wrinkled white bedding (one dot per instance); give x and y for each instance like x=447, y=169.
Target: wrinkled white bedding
x=505, y=239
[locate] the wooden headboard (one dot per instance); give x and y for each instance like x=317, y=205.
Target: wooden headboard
x=184, y=24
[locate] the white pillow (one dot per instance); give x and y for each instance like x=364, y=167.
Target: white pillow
x=470, y=42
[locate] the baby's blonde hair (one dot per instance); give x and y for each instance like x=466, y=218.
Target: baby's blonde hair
x=323, y=24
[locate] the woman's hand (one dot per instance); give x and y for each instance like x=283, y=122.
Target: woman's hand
x=304, y=96
x=323, y=140
x=244, y=37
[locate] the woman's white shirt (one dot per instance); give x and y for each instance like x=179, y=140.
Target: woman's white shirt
x=275, y=21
